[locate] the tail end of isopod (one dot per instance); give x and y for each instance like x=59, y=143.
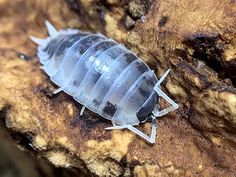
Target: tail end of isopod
x=51, y=29
x=39, y=41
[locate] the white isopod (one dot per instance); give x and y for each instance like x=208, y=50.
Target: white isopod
x=103, y=76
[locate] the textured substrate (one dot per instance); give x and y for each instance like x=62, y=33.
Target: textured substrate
x=196, y=39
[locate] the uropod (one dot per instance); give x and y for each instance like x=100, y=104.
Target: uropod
x=104, y=76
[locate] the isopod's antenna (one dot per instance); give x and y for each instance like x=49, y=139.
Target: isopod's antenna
x=51, y=29
x=173, y=106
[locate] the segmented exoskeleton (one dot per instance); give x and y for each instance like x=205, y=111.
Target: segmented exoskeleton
x=103, y=76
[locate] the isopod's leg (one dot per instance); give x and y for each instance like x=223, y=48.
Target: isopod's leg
x=116, y=127
x=150, y=139
x=82, y=111
x=173, y=106
x=57, y=91
x=113, y=123
x=169, y=100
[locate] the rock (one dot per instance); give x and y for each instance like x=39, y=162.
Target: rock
x=195, y=39
x=128, y=22
x=20, y=160
x=138, y=8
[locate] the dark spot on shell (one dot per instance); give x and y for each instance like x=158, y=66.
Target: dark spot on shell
x=96, y=102
x=163, y=21
x=68, y=42
x=143, y=92
x=150, y=81
x=49, y=46
x=75, y=83
x=104, y=45
x=110, y=109
x=114, y=53
x=141, y=67
x=129, y=57
x=53, y=45
x=87, y=42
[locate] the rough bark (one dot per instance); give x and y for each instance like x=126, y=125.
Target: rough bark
x=196, y=39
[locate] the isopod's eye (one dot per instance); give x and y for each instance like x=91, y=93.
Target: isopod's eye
x=147, y=108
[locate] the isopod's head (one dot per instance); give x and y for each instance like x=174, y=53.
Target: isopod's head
x=146, y=109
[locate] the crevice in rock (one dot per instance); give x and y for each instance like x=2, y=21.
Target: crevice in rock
x=74, y=5
x=124, y=164
x=77, y=7
x=24, y=140
x=132, y=166
x=210, y=49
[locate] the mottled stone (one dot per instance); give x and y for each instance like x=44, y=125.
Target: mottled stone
x=128, y=22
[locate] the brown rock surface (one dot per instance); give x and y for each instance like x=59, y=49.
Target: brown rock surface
x=196, y=39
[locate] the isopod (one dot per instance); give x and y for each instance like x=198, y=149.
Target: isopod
x=104, y=77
